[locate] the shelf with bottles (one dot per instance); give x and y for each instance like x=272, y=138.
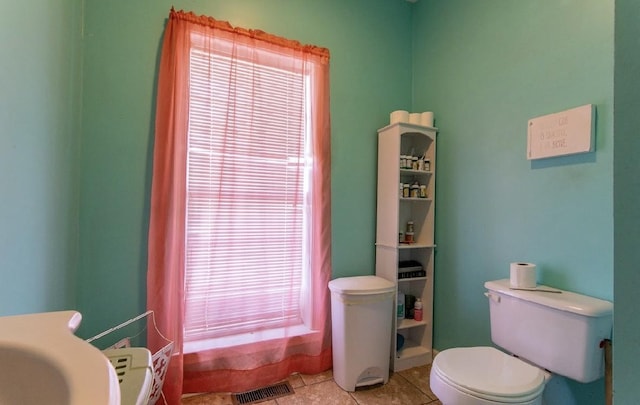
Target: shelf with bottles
x=422, y=167
x=395, y=210
x=415, y=229
x=416, y=186
x=416, y=152
x=414, y=191
x=410, y=307
x=411, y=172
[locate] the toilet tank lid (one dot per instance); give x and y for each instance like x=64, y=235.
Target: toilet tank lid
x=565, y=301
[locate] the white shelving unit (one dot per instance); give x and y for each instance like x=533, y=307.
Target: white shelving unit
x=393, y=213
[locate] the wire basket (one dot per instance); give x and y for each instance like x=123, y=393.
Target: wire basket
x=160, y=359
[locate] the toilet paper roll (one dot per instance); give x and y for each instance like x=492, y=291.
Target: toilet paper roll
x=523, y=275
x=426, y=119
x=414, y=118
x=399, y=116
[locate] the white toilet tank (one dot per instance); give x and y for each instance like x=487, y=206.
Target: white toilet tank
x=561, y=332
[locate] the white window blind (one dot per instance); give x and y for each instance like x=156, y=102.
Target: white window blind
x=245, y=195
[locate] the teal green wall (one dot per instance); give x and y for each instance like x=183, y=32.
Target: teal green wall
x=485, y=68
x=73, y=225
x=39, y=112
x=370, y=76
x=626, y=348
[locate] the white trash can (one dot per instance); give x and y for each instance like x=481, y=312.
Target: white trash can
x=362, y=312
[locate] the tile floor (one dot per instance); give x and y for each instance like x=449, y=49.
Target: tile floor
x=408, y=387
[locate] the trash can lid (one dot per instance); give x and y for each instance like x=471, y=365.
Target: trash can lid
x=361, y=285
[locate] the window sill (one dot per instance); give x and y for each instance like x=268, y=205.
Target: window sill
x=247, y=338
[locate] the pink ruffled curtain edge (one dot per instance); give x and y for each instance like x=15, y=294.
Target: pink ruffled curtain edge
x=206, y=21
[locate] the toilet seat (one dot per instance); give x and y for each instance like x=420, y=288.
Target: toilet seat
x=489, y=374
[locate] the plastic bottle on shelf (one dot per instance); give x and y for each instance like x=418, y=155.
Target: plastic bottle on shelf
x=408, y=236
x=423, y=191
x=408, y=162
x=415, y=190
x=410, y=226
x=417, y=310
x=405, y=190
x=400, y=307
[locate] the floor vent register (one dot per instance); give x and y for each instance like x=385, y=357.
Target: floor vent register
x=263, y=394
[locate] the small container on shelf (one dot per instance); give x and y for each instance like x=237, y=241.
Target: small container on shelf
x=408, y=237
x=415, y=190
x=408, y=162
x=409, y=302
x=406, y=190
x=423, y=191
x=400, y=306
x=410, y=226
x=417, y=310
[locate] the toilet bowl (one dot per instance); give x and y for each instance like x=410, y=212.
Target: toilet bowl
x=483, y=376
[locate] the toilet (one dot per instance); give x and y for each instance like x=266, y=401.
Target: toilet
x=541, y=333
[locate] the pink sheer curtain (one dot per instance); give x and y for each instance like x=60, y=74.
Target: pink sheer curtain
x=250, y=365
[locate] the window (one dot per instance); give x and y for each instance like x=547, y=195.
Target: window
x=240, y=210
x=247, y=181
